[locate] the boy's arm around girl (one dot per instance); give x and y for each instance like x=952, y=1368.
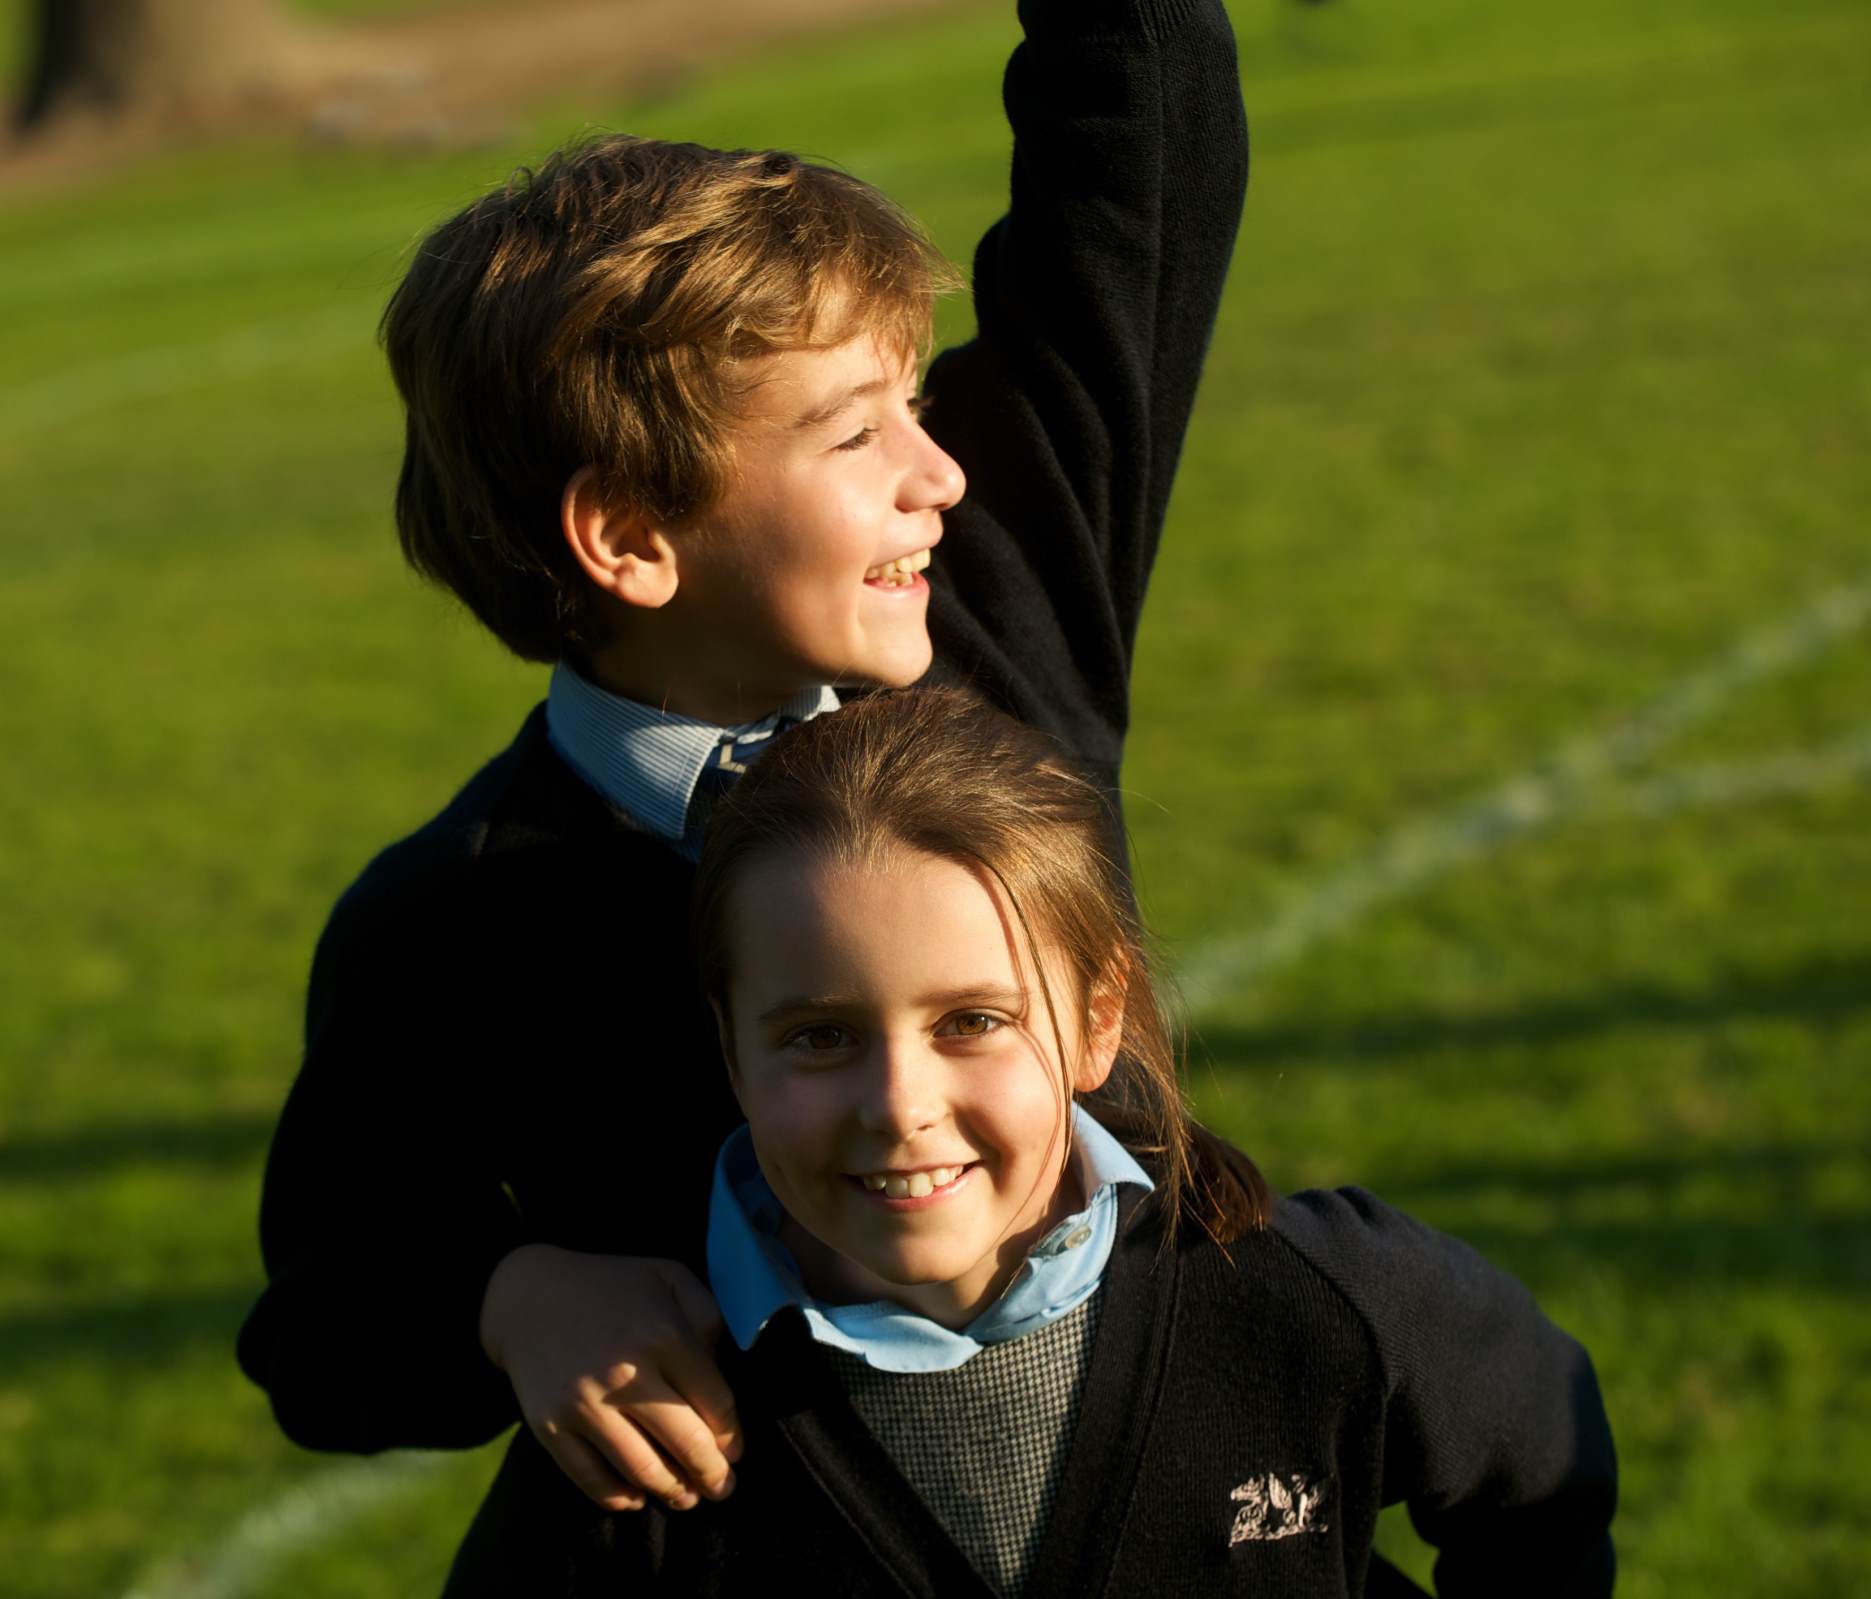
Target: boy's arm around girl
x=1245, y=1417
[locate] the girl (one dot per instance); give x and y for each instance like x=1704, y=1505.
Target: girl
x=1005, y=1320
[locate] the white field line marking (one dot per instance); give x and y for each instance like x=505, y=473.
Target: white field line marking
x=143, y=375
x=300, y=1518
x=1579, y=780
x=1579, y=775
x=1722, y=783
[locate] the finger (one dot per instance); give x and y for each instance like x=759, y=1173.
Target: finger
x=688, y=1441
x=589, y=1471
x=693, y=1299
x=634, y=1457
x=698, y=1380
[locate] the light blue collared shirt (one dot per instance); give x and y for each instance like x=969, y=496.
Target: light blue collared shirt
x=754, y=1275
x=646, y=761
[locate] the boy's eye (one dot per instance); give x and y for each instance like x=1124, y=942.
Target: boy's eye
x=918, y=408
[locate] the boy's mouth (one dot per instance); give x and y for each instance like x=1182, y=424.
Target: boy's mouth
x=900, y=573
x=912, y=1184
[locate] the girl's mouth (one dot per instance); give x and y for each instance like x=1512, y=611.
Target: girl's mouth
x=912, y=1189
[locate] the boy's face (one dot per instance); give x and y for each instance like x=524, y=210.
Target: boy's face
x=792, y=580
x=894, y=1059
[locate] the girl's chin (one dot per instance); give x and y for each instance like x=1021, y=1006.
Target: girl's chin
x=919, y=1281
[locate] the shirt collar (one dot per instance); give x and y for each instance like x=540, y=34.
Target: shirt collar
x=643, y=760
x=754, y=1276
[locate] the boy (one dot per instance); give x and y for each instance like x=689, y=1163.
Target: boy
x=662, y=433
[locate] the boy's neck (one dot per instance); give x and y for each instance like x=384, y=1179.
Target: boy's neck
x=683, y=694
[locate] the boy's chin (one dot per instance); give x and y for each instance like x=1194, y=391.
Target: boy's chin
x=900, y=668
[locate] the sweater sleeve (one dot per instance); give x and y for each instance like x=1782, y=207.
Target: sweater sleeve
x=380, y=1220
x=1095, y=296
x=1494, y=1431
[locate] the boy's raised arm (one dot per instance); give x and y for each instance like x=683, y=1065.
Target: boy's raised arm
x=1095, y=296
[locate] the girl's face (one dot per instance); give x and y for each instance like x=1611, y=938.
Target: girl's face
x=894, y=1058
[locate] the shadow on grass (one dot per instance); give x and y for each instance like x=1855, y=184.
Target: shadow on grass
x=128, y=1332
x=1785, y=1164
x=1819, y=992
x=213, y=1140
x=1648, y=1218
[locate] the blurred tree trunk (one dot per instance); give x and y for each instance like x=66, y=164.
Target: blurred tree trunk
x=166, y=60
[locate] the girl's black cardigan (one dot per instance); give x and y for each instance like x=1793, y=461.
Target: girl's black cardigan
x=1346, y=1350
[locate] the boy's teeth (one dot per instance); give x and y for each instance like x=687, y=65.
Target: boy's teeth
x=901, y=571
x=896, y=1187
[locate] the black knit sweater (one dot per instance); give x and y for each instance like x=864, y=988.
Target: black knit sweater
x=503, y=1040
x=1242, y=1422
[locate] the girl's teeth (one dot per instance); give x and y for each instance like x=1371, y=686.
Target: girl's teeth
x=913, y=1185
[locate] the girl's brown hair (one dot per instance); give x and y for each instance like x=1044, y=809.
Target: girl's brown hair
x=938, y=771
x=600, y=311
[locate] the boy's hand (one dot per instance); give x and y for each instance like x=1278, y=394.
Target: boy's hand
x=611, y=1359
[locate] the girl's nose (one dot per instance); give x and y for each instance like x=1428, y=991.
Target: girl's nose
x=902, y=1093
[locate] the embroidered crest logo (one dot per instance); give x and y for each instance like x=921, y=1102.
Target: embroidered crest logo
x=1280, y=1504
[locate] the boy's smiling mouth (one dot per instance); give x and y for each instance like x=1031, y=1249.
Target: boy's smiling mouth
x=901, y=573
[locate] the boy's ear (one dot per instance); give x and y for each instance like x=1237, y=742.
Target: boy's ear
x=622, y=550
x=1105, y=1030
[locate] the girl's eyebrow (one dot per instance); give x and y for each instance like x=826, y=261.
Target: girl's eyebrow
x=805, y=1004
x=987, y=993
x=978, y=994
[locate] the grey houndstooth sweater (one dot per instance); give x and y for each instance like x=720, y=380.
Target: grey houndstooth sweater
x=983, y=1444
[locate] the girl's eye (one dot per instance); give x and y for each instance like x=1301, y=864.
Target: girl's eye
x=858, y=440
x=820, y=1037
x=971, y=1024
x=919, y=406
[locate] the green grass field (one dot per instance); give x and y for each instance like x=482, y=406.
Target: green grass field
x=1519, y=558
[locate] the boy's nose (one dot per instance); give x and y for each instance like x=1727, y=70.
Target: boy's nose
x=936, y=481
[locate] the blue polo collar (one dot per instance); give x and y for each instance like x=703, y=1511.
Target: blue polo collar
x=754, y=1275
x=646, y=761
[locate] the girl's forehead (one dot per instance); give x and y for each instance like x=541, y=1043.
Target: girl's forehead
x=887, y=923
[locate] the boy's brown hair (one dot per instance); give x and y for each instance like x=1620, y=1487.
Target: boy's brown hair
x=940, y=772
x=599, y=311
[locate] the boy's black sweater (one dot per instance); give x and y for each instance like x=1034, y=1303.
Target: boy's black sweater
x=503, y=1039
x=1345, y=1353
